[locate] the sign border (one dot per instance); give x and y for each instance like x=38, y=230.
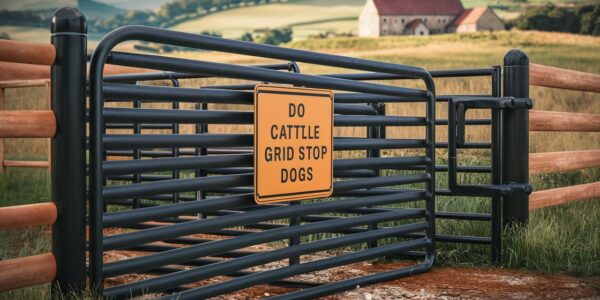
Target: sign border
x=273, y=89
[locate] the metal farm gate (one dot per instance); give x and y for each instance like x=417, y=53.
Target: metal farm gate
x=181, y=200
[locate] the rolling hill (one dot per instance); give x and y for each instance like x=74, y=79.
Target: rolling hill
x=91, y=8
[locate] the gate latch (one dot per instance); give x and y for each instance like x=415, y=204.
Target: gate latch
x=457, y=111
x=458, y=107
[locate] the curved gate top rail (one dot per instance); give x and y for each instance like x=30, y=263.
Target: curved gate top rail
x=375, y=200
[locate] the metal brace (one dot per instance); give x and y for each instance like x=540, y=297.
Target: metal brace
x=457, y=108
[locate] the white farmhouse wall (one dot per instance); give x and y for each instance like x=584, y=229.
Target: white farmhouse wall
x=395, y=25
x=369, y=20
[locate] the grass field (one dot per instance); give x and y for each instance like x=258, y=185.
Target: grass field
x=558, y=239
x=321, y=14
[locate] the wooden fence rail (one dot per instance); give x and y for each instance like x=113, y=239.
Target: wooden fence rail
x=563, y=161
x=563, y=121
x=27, y=53
x=540, y=75
x=27, y=124
x=11, y=71
x=27, y=271
x=564, y=195
x=28, y=215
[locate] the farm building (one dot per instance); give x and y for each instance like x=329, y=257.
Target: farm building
x=424, y=17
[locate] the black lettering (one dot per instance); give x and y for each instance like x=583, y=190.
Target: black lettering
x=292, y=110
x=301, y=153
x=300, y=110
x=274, y=132
x=289, y=153
x=284, y=175
x=268, y=154
x=302, y=174
x=277, y=154
x=309, y=174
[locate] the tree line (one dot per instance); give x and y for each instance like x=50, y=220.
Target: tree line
x=582, y=19
x=170, y=14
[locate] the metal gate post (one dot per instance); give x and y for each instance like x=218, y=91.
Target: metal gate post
x=515, y=136
x=68, y=80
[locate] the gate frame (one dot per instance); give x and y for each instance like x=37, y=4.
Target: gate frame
x=103, y=55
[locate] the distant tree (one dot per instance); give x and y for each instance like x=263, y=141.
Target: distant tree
x=212, y=33
x=247, y=37
x=276, y=36
x=4, y=36
x=590, y=20
x=548, y=18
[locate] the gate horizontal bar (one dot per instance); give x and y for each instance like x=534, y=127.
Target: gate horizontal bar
x=183, y=254
x=369, y=144
x=120, y=218
x=338, y=286
x=140, y=115
x=251, y=73
x=266, y=276
x=434, y=74
x=378, y=121
x=222, y=268
x=180, y=163
x=128, y=92
x=176, y=185
x=124, y=141
x=130, y=78
x=149, y=235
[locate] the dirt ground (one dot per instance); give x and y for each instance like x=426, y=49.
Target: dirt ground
x=455, y=283
x=440, y=283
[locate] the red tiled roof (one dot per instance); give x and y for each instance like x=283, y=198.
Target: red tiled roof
x=412, y=25
x=419, y=7
x=470, y=16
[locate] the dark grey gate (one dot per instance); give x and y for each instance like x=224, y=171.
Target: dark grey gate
x=176, y=185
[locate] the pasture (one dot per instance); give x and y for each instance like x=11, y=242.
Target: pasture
x=558, y=239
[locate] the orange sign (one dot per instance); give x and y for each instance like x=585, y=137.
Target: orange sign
x=293, y=143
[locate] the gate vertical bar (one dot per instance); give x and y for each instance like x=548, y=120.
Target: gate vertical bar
x=374, y=132
x=496, y=251
x=515, y=137
x=68, y=79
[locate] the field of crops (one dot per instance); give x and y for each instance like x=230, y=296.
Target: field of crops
x=558, y=239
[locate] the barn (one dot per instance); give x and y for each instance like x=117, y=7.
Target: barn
x=424, y=17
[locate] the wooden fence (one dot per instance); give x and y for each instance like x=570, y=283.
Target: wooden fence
x=15, y=117
x=24, y=64
x=551, y=77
